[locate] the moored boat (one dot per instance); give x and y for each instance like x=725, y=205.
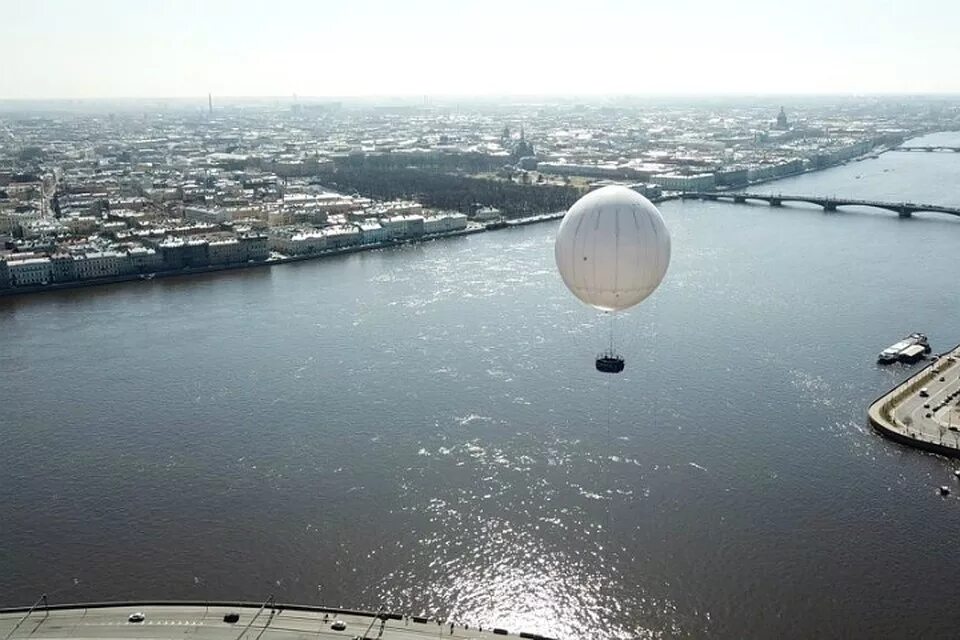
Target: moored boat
x=896, y=351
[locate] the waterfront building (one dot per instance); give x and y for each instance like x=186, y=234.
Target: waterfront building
x=486, y=214
x=772, y=170
x=102, y=264
x=732, y=177
x=4, y=274
x=255, y=246
x=63, y=268
x=226, y=251
x=180, y=253
x=372, y=232
x=296, y=242
x=228, y=248
x=677, y=182
x=144, y=260
x=29, y=271
x=403, y=227
x=340, y=236
x=444, y=223
x=649, y=191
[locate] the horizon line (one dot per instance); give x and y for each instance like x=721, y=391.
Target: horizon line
x=488, y=96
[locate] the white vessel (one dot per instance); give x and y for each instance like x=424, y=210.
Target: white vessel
x=894, y=352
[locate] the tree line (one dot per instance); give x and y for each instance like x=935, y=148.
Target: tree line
x=449, y=191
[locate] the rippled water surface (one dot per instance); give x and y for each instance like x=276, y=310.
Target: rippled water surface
x=422, y=428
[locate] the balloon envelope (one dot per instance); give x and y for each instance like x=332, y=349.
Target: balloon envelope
x=613, y=248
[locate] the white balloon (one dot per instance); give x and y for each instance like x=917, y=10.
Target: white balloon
x=612, y=248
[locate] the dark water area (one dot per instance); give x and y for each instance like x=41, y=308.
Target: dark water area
x=423, y=428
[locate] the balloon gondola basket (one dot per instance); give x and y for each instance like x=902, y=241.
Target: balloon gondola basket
x=609, y=363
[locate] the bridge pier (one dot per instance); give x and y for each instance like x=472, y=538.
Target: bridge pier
x=739, y=199
x=830, y=206
x=776, y=202
x=905, y=213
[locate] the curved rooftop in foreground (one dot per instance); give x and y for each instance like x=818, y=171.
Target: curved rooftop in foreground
x=205, y=621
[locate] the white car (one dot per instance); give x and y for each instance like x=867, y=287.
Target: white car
x=136, y=617
x=338, y=625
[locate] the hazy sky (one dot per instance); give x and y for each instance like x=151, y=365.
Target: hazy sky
x=137, y=48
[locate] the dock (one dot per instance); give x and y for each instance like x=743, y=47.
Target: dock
x=205, y=621
x=923, y=411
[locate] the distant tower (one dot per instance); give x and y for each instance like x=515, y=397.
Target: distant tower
x=210, y=102
x=782, y=123
x=523, y=148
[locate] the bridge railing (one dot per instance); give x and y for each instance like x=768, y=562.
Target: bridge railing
x=43, y=599
x=903, y=207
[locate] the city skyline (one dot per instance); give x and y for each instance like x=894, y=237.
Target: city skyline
x=274, y=183
x=172, y=49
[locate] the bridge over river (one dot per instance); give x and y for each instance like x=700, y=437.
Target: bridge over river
x=829, y=203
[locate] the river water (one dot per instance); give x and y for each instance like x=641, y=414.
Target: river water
x=423, y=428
